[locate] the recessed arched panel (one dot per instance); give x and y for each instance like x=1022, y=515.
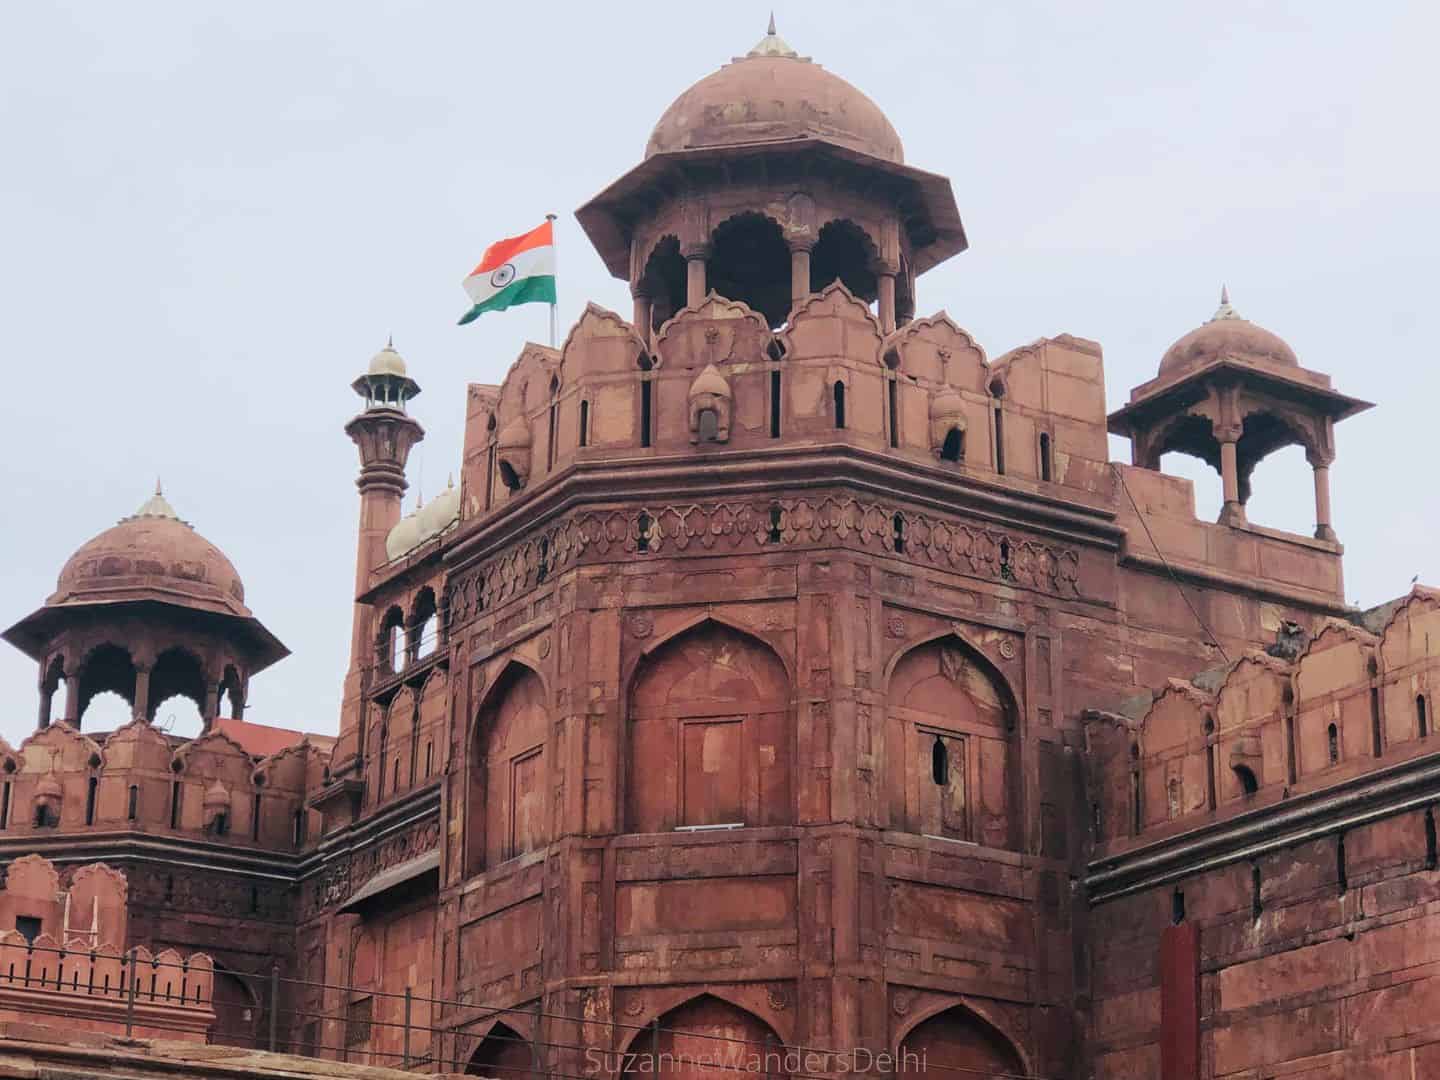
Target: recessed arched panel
x=707, y=1038
x=507, y=813
x=710, y=741
x=950, y=728
x=958, y=1042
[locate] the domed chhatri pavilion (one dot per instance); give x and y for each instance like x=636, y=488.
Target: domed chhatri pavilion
x=783, y=669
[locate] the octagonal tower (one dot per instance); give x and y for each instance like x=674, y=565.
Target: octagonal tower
x=735, y=690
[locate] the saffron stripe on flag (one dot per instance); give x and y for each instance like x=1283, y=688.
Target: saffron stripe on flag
x=502, y=251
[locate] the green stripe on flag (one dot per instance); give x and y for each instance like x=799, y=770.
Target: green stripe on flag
x=530, y=290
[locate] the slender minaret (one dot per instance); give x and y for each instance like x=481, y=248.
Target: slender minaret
x=385, y=435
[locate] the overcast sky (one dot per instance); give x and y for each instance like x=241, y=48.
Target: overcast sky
x=212, y=215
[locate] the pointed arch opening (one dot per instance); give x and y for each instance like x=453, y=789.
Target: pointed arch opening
x=424, y=624
x=108, y=669
x=750, y=262
x=504, y=1054
x=663, y=281
x=950, y=730
x=959, y=1041
x=709, y=742
x=708, y=1038
x=844, y=252
x=507, y=813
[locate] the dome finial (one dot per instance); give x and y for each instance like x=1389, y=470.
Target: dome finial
x=158, y=489
x=772, y=44
x=390, y=342
x=1224, y=311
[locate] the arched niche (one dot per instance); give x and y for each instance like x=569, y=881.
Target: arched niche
x=750, y=262
x=958, y=1041
x=708, y=1038
x=504, y=1054
x=424, y=624
x=950, y=730
x=507, y=814
x=709, y=736
x=237, y=1009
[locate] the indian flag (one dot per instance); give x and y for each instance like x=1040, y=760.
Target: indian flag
x=520, y=270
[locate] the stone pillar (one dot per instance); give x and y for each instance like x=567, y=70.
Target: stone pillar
x=799, y=270
x=1233, y=511
x=47, y=698
x=1321, y=465
x=643, y=308
x=212, y=704
x=695, y=256
x=72, y=698
x=885, y=279
x=142, y=692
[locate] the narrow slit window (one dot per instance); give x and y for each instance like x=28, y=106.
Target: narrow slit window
x=644, y=411
x=1177, y=907
x=839, y=391
x=774, y=534
x=1376, y=742
x=642, y=533
x=297, y=828
x=132, y=808
x=1255, y=905
x=90, y=790
x=1422, y=721
x=490, y=478
x=1332, y=741
x=1044, y=456
x=1431, y=859
x=893, y=409
x=584, y=423
x=429, y=759
x=255, y=817
x=175, y=793
x=1000, y=440
x=897, y=524
x=775, y=404
x=5, y=806
x=1342, y=877
x=939, y=762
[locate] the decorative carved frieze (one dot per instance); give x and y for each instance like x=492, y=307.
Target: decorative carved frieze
x=925, y=539
x=341, y=876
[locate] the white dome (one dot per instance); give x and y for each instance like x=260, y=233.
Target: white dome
x=436, y=515
x=387, y=362
x=404, y=536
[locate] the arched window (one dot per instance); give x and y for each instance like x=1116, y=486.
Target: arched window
x=953, y=449
x=961, y=1046
x=709, y=425
x=1332, y=742
x=948, y=718
x=839, y=399
x=584, y=423
x=425, y=624
x=1044, y=456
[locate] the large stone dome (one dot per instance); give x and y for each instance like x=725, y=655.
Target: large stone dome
x=771, y=95
x=1226, y=335
x=152, y=555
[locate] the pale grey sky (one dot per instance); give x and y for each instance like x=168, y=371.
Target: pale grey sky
x=212, y=215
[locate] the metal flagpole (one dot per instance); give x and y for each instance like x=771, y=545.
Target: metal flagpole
x=551, y=218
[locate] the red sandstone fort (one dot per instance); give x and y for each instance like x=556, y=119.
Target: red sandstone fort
x=785, y=670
